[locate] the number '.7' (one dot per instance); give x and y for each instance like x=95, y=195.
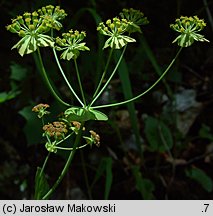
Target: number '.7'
x=206, y=207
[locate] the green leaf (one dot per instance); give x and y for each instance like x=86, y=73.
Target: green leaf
x=5, y=96
x=105, y=166
x=205, y=132
x=109, y=177
x=18, y=72
x=127, y=91
x=143, y=185
x=158, y=135
x=201, y=177
x=81, y=114
x=32, y=128
x=41, y=184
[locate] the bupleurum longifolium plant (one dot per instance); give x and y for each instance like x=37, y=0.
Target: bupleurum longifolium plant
x=36, y=31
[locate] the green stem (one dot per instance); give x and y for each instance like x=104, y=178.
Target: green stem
x=47, y=157
x=104, y=73
x=145, y=92
x=48, y=82
x=65, y=138
x=79, y=81
x=66, y=166
x=44, y=164
x=86, y=176
x=107, y=82
x=71, y=149
x=65, y=78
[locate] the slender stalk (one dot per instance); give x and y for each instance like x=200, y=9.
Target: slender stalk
x=48, y=155
x=45, y=163
x=65, y=138
x=107, y=82
x=65, y=78
x=79, y=82
x=145, y=92
x=48, y=82
x=71, y=149
x=104, y=73
x=66, y=166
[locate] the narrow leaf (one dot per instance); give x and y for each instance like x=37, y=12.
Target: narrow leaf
x=41, y=185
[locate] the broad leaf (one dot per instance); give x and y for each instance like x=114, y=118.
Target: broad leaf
x=158, y=135
x=32, y=128
x=18, y=72
x=201, y=177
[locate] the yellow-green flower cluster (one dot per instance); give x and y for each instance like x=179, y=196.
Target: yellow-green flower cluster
x=28, y=23
x=188, y=24
x=115, y=26
x=71, y=44
x=135, y=19
x=189, y=28
x=52, y=15
x=32, y=27
x=115, y=29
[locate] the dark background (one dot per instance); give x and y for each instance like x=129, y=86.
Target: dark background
x=150, y=176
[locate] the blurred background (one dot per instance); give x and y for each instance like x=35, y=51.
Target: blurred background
x=160, y=147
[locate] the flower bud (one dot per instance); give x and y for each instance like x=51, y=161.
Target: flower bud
x=21, y=33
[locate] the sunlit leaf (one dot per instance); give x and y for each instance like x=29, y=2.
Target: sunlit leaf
x=81, y=114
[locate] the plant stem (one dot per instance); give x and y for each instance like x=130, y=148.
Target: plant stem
x=48, y=82
x=107, y=82
x=71, y=149
x=44, y=164
x=104, y=73
x=65, y=78
x=79, y=81
x=65, y=138
x=145, y=92
x=66, y=166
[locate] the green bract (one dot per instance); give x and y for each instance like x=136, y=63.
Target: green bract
x=115, y=29
x=71, y=44
x=135, y=19
x=32, y=27
x=82, y=114
x=188, y=27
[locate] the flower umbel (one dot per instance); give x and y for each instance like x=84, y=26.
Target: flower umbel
x=188, y=27
x=71, y=44
x=55, y=129
x=41, y=109
x=135, y=19
x=93, y=139
x=32, y=28
x=115, y=29
x=52, y=15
